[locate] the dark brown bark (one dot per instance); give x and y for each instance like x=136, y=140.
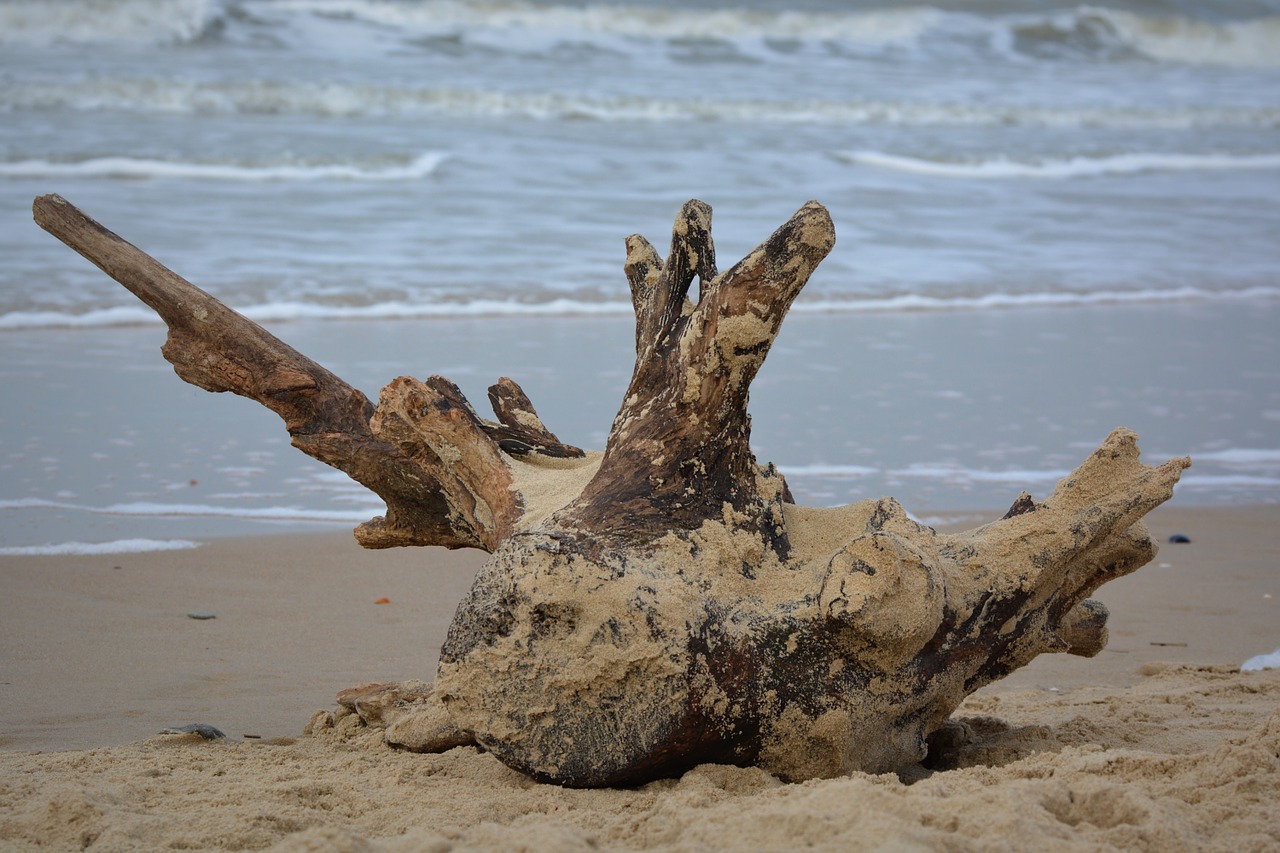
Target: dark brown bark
x=519, y=430
x=679, y=452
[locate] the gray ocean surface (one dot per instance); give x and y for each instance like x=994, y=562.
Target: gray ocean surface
x=1052, y=220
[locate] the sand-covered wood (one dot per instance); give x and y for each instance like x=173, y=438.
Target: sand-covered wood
x=588, y=666
x=664, y=604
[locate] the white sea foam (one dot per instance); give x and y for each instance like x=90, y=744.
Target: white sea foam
x=1240, y=456
x=1069, y=167
x=1249, y=43
x=124, y=315
x=1099, y=31
x=1249, y=468
x=240, y=496
x=1094, y=29
x=524, y=26
x=1221, y=481
x=128, y=167
x=163, y=510
x=128, y=315
x=404, y=310
x=28, y=22
x=344, y=100
x=269, y=513
x=241, y=470
x=989, y=301
x=118, y=546
x=28, y=503
x=829, y=471
x=959, y=475
x=882, y=26
x=285, y=311
x=1261, y=662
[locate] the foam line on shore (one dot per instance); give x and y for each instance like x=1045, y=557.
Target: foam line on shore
x=161, y=510
x=132, y=315
x=135, y=168
x=1064, y=168
x=87, y=549
x=1257, y=663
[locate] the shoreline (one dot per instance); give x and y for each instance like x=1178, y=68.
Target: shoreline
x=1158, y=742
x=101, y=651
x=957, y=411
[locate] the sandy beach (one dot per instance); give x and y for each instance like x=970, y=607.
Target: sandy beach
x=1052, y=221
x=1160, y=742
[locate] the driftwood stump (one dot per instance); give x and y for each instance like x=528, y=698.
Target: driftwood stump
x=665, y=603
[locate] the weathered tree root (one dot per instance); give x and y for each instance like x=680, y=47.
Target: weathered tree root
x=665, y=603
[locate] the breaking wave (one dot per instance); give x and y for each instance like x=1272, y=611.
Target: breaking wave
x=341, y=100
x=1068, y=167
x=131, y=315
x=166, y=510
x=129, y=167
x=117, y=546
x=1093, y=32
x=878, y=26
x=127, y=22
x=1163, y=38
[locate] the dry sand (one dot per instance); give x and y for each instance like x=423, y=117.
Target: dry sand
x=1159, y=743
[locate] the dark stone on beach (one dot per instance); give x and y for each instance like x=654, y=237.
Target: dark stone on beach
x=202, y=614
x=1180, y=539
x=205, y=731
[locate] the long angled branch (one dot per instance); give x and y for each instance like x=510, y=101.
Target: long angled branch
x=260, y=366
x=406, y=449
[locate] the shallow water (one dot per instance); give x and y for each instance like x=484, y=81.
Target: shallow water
x=1052, y=221
x=944, y=411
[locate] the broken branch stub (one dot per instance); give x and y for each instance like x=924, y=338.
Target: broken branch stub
x=665, y=603
x=679, y=452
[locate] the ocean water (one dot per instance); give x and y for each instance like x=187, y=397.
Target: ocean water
x=1051, y=219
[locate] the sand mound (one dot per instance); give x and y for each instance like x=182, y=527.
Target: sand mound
x=1189, y=759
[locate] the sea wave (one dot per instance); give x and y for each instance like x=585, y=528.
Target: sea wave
x=131, y=315
x=1242, y=456
x=129, y=167
x=876, y=26
x=345, y=100
x=1249, y=43
x=1258, y=663
x=1220, y=481
x=1093, y=32
x=828, y=471
x=165, y=510
x=116, y=546
x=128, y=315
x=945, y=472
x=956, y=474
x=1060, y=168
x=1043, y=299
x=130, y=22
